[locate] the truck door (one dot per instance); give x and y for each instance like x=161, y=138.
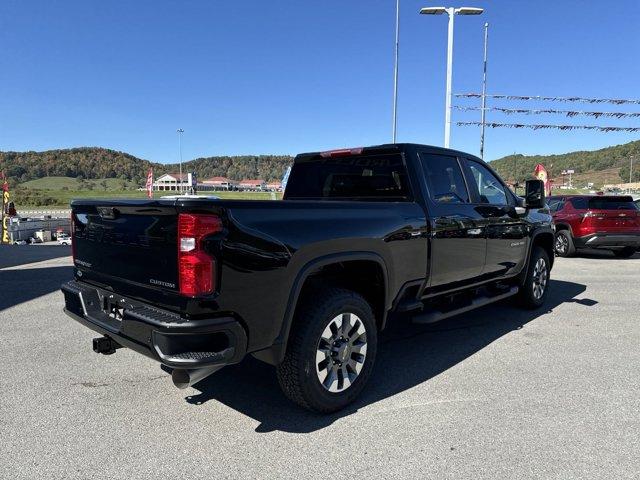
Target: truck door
x=505, y=231
x=458, y=244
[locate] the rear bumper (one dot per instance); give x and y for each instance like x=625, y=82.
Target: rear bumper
x=164, y=336
x=608, y=240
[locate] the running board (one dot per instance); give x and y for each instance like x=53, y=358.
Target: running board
x=436, y=316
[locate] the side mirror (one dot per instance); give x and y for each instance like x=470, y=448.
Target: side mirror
x=534, y=194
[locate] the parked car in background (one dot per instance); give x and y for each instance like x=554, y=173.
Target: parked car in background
x=64, y=239
x=595, y=221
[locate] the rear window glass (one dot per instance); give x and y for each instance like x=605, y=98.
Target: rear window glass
x=362, y=177
x=579, y=203
x=612, y=203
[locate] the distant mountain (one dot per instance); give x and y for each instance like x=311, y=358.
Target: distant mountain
x=95, y=163
x=604, y=165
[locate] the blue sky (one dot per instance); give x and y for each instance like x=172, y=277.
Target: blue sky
x=249, y=77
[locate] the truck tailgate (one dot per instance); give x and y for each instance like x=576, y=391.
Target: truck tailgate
x=130, y=242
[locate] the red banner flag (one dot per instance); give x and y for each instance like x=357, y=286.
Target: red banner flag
x=541, y=174
x=150, y=183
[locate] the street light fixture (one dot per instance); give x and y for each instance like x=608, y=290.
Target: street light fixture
x=452, y=12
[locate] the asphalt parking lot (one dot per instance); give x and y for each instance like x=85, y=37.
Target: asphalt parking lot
x=498, y=393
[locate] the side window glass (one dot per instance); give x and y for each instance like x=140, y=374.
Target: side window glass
x=555, y=204
x=489, y=187
x=444, y=178
x=579, y=203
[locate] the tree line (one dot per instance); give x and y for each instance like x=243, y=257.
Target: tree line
x=521, y=167
x=95, y=163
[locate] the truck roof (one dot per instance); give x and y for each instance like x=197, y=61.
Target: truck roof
x=376, y=149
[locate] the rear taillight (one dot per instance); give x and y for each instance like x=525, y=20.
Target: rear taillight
x=196, y=269
x=592, y=215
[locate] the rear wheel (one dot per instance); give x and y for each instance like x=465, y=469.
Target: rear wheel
x=330, y=352
x=564, y=246
x=626, y=252
x=535, y=288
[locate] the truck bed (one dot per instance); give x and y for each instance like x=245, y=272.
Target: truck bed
x=130, y=247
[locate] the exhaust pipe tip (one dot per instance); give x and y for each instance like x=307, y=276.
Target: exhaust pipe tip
x=185, y=378
x=180, y=378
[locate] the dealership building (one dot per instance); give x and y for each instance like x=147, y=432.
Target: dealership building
x=217, y=183
x=173, y=181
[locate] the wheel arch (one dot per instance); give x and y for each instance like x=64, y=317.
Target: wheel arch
x=325, y=268
x=564, y=226
x=543, y=238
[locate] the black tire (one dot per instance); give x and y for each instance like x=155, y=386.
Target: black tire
x=529, y=295
x=563, y=245
x=625, y=252
x=299, y=374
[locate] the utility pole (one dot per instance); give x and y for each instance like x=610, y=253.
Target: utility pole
x=484, y=91
x=630, y=172
x=395, y=75
x=447, y=114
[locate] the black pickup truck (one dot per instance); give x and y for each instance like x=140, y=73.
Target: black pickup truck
x=363, y=237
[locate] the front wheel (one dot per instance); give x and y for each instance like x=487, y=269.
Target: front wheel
x=330, y=352
x=536, y=285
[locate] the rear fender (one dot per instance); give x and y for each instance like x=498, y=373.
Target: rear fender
x=275, y=354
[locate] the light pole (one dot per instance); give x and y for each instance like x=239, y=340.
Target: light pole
x=452, y=12
x=395, y=75
x=484, y=91
x=180, y=132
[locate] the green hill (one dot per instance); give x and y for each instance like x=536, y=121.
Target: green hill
x=93, y=163
x=608, y=165
x=266, y=167
x=68, y=183
x=87, y=168
x=84, y=162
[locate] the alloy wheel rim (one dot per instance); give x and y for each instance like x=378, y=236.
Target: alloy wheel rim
x=341, y=352
x=561, y=244
x=540, y=278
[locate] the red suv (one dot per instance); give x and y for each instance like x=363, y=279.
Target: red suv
x=590, y=221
